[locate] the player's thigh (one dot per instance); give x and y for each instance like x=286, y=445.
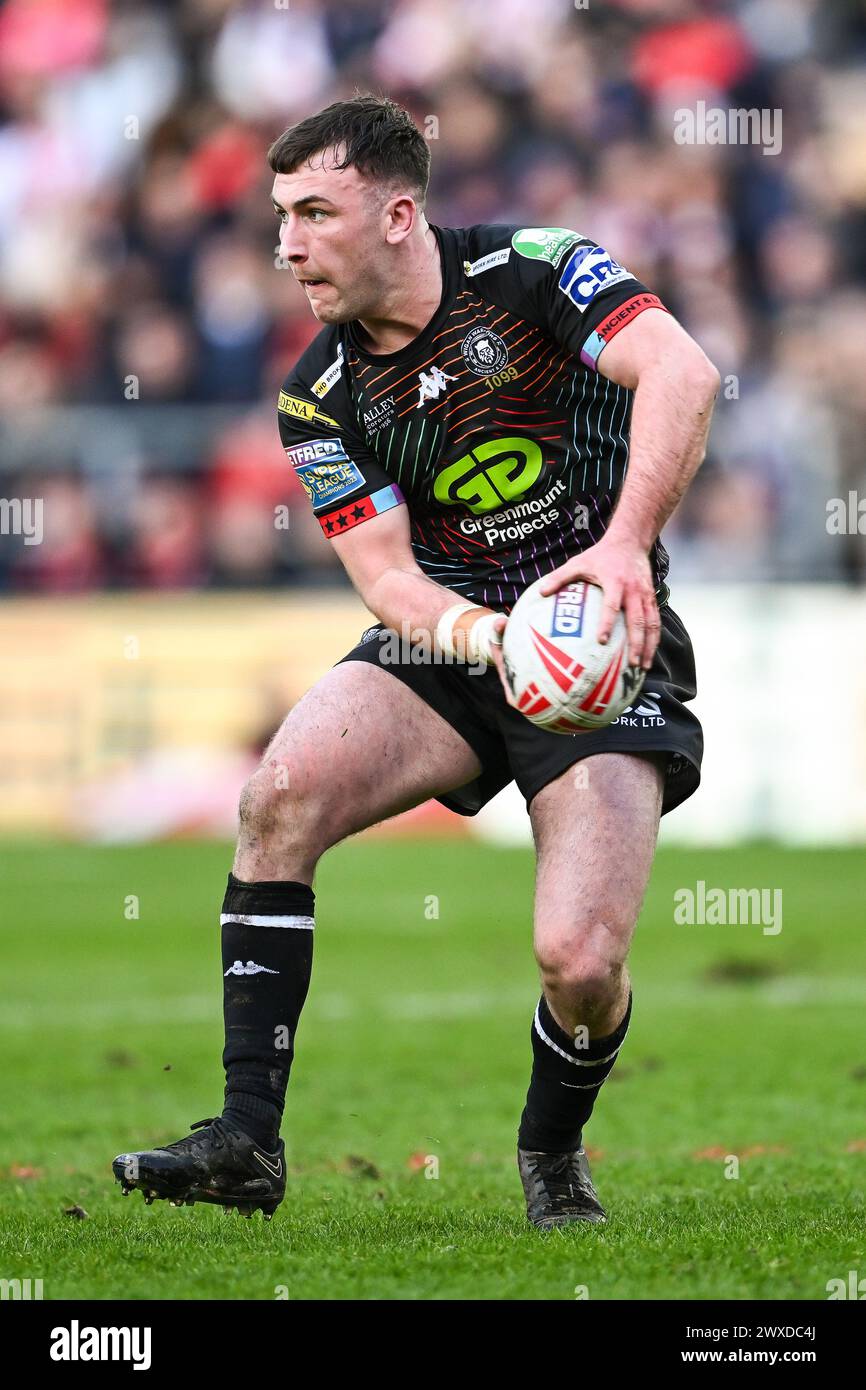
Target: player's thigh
x=360, y=746
x=595, y=830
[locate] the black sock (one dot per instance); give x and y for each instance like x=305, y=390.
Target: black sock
x=565, y=1082
x=267, y=950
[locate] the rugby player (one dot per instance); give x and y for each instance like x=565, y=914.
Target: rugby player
x=482, y=407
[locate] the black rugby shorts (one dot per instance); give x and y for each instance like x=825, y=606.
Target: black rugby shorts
x=510, y=748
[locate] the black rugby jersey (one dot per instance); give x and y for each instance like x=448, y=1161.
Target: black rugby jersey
x=492, y=426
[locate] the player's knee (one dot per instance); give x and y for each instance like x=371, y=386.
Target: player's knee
x=273, y=806
x=588, y=973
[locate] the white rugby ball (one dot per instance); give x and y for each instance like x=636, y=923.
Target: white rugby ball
x=561, y=678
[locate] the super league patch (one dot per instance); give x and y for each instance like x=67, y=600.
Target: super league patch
x=589, y=271
x=325, y=470
x=616, y=319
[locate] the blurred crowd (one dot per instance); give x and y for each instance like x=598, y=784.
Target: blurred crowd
x=145, y=324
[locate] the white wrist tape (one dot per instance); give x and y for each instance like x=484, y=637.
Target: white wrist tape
x=473, y=646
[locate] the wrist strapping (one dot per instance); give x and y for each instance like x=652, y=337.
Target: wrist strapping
x=473, y=645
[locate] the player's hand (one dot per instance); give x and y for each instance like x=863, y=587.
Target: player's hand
x=498, y=662
x=460, y=639
x=622, y=571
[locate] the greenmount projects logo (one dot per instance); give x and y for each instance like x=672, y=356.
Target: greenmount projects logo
x=490, y=474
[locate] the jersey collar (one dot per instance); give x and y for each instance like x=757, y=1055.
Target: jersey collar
x=420, y=343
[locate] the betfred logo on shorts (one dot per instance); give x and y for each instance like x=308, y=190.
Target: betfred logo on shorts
x=568, y=611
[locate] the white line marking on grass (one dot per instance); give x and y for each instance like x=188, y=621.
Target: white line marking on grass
x=337, y=1006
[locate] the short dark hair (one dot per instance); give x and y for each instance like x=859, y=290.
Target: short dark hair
x=377, y=137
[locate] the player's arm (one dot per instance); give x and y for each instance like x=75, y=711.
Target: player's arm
x=378, y=559
x=363, y=514
x=675, y=387
x=597, y=310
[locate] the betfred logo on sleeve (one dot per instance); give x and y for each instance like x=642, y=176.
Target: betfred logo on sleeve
x=588, y=271
x=325, y=470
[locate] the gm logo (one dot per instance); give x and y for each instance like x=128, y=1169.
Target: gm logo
x=490, y=475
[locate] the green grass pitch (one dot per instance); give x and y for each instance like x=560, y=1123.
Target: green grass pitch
x=413, y=1058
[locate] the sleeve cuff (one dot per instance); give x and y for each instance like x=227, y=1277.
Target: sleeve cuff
x=342, y=519
x=610, y=325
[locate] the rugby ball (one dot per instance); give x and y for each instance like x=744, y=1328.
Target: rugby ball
x=559, y=676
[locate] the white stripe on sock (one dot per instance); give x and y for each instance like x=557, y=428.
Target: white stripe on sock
x=252, y=919
x=577, y=1061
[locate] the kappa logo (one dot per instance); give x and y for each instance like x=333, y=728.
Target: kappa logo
x=249, y=969
x=492, y=473
x=430, y=384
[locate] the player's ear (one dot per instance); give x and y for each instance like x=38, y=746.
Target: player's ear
x=401, y=215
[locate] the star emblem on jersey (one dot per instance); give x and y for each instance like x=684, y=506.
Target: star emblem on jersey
x=344, y=518
x=431, y=384
x=484, y=352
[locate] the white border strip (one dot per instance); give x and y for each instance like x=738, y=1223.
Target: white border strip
x=248, y=919
x=576, y=1061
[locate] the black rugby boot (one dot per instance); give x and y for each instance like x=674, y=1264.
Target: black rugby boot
x=558, y=1188
x=219, y=1164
